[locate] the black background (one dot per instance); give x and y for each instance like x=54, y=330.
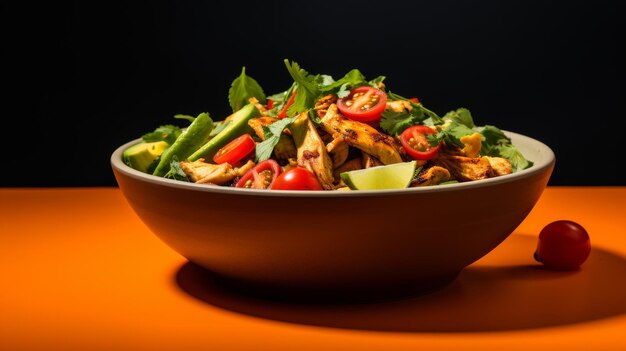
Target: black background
x=82, y=78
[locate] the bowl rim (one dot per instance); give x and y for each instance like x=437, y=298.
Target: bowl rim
x=539, y=166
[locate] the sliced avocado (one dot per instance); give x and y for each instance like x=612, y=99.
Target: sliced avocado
x=189, y=140
x=237, y=125
x=140, y=156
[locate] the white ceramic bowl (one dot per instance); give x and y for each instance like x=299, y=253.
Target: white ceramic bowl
x=344, y=244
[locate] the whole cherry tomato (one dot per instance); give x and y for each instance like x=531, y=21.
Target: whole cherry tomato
x=563, y=245
x=296, y=178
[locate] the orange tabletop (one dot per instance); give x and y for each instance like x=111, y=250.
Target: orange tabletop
x=80, y=271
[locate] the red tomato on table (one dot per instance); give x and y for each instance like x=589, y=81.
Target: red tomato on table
x=563, y=245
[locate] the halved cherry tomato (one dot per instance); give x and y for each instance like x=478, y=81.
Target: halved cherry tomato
x=415, y=100
x=414, y=141
x=270, y=104
x=297, y=178
x=234, y=151
x=363, y=104
x=262, y=176
x=283, y=112
x=563, y=245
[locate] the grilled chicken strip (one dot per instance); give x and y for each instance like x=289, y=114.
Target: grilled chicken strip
x=322, y=105
x=312, y=153
x=206, y=173
x=285, y=149
x=398, y=105
x=352, y=165
x=361, y=135
x=257, y=125
x=338, y=150
x=501, y=166
x=370, y=161
x=258, y=105
x=465, y=168
x=431, y=176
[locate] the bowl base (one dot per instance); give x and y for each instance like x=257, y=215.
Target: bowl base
x=316, y=295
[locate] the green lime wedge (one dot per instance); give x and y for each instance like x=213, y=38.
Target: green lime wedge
x=393, y=176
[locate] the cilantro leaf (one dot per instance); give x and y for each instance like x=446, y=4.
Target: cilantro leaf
x=342, y=87
x=457, y=124
x=492, y=138
x=451, y=134
x=394, y=123
x=418, y=109
x=518, y=161
x=243, y=88
x=376, y=82
x=314, y=117
x=459, y=130
x=308, y=90
x=462, y=116
x=497, y=144
x=343, y=91
x=272, y=134
x=176, y=172
x=167, y=133
x=276, y=128
x=326, y=79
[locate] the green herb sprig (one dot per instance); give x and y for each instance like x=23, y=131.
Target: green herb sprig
x=272, y=134
x=243, y=88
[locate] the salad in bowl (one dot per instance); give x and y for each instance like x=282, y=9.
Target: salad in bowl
x=332, y=189
x=352, y=133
